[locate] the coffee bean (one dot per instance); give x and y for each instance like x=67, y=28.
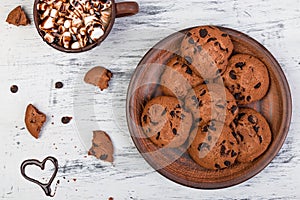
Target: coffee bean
x=203, y=33
x=59, y=85
x=14, y=88
x=66, y=120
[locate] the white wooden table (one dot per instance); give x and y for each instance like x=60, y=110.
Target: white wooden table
x=35, y=67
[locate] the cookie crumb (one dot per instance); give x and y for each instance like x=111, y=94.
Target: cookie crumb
x=34, y=120
x=98, y=76
x=17, y=17
x=102, y=147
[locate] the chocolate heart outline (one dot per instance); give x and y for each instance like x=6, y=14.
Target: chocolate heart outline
x=45, y=186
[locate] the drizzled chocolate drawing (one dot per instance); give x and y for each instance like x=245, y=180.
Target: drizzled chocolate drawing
x=45, y=186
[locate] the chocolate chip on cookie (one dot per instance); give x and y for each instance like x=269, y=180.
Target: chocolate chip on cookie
x=179, y=77
x=207, y=48
x=211, y=102
x=165, y=122
x=247, y=78
x=253, y=134
x=214, y=146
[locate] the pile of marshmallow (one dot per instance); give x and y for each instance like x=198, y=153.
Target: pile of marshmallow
x=73, y=24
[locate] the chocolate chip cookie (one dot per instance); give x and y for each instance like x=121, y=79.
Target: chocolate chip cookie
x=253, y=134
x=165, y=122
x=211, y=101
x=247, y=78
x=207, y=48
x=178, y=77
x=214, y=146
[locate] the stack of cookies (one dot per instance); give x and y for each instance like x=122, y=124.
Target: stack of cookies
x=205, y=92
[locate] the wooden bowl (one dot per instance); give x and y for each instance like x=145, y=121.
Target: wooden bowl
x=176, y=164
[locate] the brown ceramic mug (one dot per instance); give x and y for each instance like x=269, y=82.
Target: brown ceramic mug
x=117, y=10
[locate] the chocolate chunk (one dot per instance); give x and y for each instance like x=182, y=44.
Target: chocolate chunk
x=188, y=71
x=219, y=71
x=145, y=118
x=203, y=33
x=251, y=119
x=233, y=109
x=257, y=85
x=174, y=130
x=224, y=35
x=233, y=153
x=232, y=74
x=172, y=113
x=188, y=34
x=222, y=150
x=199, y=48
x=178, y=106
x=240, y=65
x=14, y=88
x=217, y=166
x=158, y=135
x=205, y=129
x=248, y=98
x=256, y=128
x=241, y=136
x=203, y=92
x=227, y=163
x=260, y=139
x=211, y=39
x=191, y=40
x=188, y=59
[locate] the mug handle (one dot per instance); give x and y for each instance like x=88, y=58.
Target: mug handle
x=127, y=8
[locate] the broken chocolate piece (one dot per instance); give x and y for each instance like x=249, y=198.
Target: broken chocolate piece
x=34, y=120
x=17, y=17
x=98, y=76
x=102, y=147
